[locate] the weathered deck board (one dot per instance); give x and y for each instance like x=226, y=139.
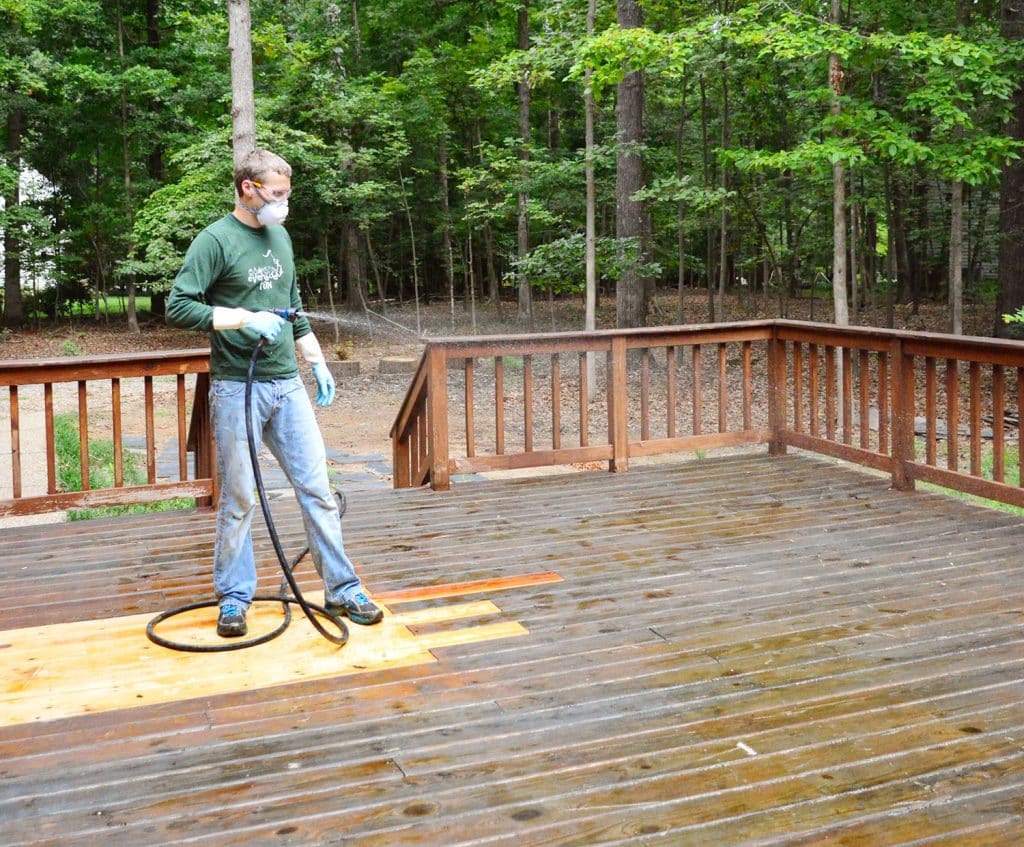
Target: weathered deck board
x=743, y=650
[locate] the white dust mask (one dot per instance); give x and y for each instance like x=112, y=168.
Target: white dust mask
x=273, y=212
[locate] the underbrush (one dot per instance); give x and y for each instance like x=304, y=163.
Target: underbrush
x=68, y=455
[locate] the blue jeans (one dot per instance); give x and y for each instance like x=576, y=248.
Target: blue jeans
x=282, y=416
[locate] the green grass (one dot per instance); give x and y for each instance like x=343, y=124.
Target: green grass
x=101, y=472
x=1011, y=476
x=115, y=305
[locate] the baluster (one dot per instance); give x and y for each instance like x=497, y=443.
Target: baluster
x=698, y=405
x=584, y=402
x=150, y=432
x=1020, y=426
x=528, y=403
x=15, y=443
x=51, y=448
x=83, y=433
x=952, y=415
x=846, y=357
x=830, y=393
x=865, y=399
x=499, y=404
x=723, y=388
x=556, y=402
x=813, y=388
x=182, y=431
x=931, y=441
x=670, y=364
x=883, y=402
x=975, y=405
x=748, y=383
x=470, y=423
x=645, y=388
x=798, y=386
x=115, y=410
x=998, y=432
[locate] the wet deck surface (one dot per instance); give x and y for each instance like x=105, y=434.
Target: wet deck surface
x=742, y=650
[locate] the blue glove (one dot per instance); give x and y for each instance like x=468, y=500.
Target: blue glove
x=266, y=324
x=324, y=385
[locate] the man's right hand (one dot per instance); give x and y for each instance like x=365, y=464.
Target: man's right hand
x=266, y=324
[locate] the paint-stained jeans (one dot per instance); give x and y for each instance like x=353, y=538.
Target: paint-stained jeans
x=282, y=416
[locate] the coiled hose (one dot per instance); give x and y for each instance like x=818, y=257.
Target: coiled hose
x=311, y=610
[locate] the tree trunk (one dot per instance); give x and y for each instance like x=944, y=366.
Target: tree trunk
x=835, y=75
x=681, y=215
x=355, y=291
x=956, y=264
x=854, y=242
x=446, y=228
x=839, y=306
x=155, y=160
x=590, y=252
x=412, y=244
x=357, y=36
x=523, y=228
x=375, y=266
x=126, y=157
x=329, y=288
x=708, y=237
x=891, y=264
x=723, y=235
x=631, y=293
x=14, y=310
x=243, y=109
x=493, y=283
x=1011, y=198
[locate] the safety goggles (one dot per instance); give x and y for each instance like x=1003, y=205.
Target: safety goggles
x=276, y=194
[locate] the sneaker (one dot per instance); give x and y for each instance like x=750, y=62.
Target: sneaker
x=357, y=607
x=231, y=623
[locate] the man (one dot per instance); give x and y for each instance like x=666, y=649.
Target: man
x=236, y=269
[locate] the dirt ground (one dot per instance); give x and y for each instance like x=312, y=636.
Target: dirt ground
x=359, y=421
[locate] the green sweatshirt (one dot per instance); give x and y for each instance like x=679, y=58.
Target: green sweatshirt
x=234, y=265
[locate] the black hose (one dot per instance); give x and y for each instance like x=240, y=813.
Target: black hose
x=311, y=610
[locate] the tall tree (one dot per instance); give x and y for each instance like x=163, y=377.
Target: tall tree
x=590, y=248
x=523, y=225
x=1011, y=195
x=14, y=311
x=631, y=292
x=835, y=78
x=243, y=108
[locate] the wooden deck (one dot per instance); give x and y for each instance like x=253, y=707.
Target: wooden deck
x=743, y=650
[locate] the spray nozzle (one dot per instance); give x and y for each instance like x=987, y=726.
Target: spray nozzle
x=288, y=314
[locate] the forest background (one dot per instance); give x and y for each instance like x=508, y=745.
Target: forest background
x=465, y=150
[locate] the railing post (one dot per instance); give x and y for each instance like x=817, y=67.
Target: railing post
x=437, y=416
x=400, y=460
x=903, y=417
x=618, y=421
x=776, y=394
x=200, y=438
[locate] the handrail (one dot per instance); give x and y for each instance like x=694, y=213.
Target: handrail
x=84, y=372
x=862, y=394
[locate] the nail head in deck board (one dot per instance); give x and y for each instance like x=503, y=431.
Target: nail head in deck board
x=673, y=613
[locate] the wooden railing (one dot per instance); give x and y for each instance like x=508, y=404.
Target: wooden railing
x=918, y=406
x=51, y=386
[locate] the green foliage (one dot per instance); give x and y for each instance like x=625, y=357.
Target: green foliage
x=559, y=265
x=67, y=449
x=363, y=109
x=1014, y=317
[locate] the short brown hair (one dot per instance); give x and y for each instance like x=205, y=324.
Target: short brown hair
x=258, y=164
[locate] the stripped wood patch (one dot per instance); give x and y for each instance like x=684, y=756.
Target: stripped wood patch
x=81, y=667
x=749, y=650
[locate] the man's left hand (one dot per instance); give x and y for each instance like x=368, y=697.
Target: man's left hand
x=324, y=385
